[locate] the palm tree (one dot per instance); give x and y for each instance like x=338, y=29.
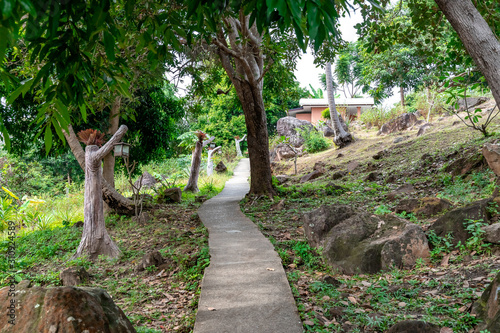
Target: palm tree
x=342, y=137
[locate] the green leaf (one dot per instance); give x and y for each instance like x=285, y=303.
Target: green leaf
x=7, y=6
x=23, y=88
x=28, y=6
x=83, y=111
x=5, y=135
x=3, y=43
x=48, y=139
x=109, y=46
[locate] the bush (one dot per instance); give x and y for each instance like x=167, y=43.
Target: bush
x=315, y=141
x=379, y=116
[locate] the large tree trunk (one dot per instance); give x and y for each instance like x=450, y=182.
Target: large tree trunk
x=342, y=137
x=113, y=199
x=108, y=165
x=478, y=39
x=402, y=96
x=95, y=238
x=243, y=61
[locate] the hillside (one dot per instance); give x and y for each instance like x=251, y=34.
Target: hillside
x=376, y=176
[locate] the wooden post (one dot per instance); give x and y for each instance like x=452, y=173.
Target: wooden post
x=95, y=238
x=359, y=112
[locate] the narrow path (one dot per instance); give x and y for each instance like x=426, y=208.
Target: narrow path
x=244, y=290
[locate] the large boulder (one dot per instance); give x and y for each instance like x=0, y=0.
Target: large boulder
x=453, y=222
x=487, y=308
x=173, y=194
x=287, y=126
x=401, y=123
x=491, y=153
x=426, y=207
x=470, y=102
x=319, y=222
x=284, y=151
x=357, y=242
x=147, y=181
x=61, y=309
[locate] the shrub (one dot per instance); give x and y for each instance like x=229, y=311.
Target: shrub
x=315, y=141
x=379, y=116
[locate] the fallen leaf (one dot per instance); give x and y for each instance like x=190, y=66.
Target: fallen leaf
x=446, y=330
x=211, y=309
x=401, y=304
x=445, y=260
x=270, y=269
x=309, y=323
x=352, y=300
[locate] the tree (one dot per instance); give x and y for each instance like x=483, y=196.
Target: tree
x=192, y=185
x=342, y=137
x=237, y=141
x=348, y=70
x=95, y=238
x=478, y=39
x=210, y=162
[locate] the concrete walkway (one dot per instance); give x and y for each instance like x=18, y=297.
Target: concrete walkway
x=244, y=289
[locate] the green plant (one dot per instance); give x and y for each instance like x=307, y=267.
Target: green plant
x=382, y=210
x=476, y=241
x=408, y=216
x=314, y=140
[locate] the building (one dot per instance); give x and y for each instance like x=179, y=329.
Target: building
x=311, y=108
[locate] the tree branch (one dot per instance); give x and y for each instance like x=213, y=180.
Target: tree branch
x=104, y=150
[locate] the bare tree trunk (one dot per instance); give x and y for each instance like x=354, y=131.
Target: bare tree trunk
x=478, y=39
x=108, y=167
x=210, y=163
x=237, y=143
x=115, y=200
x=402, y=95
x=95, y=238
x=192, y=184
x=342, y=137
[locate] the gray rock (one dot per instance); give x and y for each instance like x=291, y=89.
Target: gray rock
x=282, y=179
x=401, y=123
x=366, y=243
x=453, y=221
x=470, y=102
x=491, y=153
x=492, y=233
x=313, y=175
x=148, y=180
x=328, y=132
x=173, y=194
x=423, y=129
x=64, y=309
x=220, y=167
x=400, y=139
x=487, y=308
x=150, y=259
x=288, y=126
x=319, y=222
x=73, y=276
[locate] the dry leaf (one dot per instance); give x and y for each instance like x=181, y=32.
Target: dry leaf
x=352, y=300
x=211, y=309
x=446, y=330
x=445, y=260
x=401, y=304
x=270, y=269
x=309, y=323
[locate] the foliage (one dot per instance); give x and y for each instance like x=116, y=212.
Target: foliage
x=476, y=241
x=377, y=116
x=348, y=70
x=314, y=140
x=91, y=137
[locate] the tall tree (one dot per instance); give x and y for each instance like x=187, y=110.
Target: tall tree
x=342, y=137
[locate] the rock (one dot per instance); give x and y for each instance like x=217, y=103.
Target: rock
x=150, y=259
x=319, y=166
x=372, y=176
x=404, y=189
x=414, y=326
x=148, y=181
x=456, y=122
x=339, y=155
x=282, y=179
x=400, y=139
x=418, y=123
x=288, y=126
x=422, y=129
x=310, y=176
x=441, y=118
x=319, y=222
x=400, y=123
x=173, y=194
x=425, y=207
x=470, y=102
x=328, y=132
x=391, y=179
x=220, y=167
x=453, y=222
x=487, y=308
x=336, y=312
x=380, y=154
x=328, y=279
x=491, y=153
x=282, y=151
x=338, y=174
x=365, y=243
x=492, y=233
x=142, y=219
x=78, y=224
x=73, y=276
x=64, y=309
x=200, y=198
